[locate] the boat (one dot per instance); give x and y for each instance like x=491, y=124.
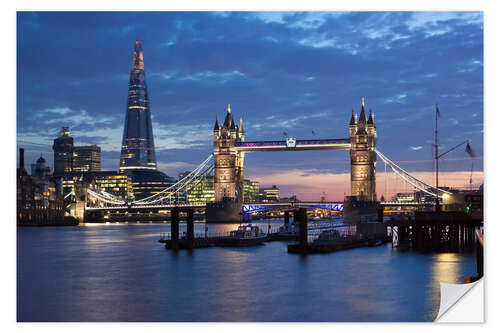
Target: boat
x=333, y=238
x=357, y=211
x=245, y=235
x=288, y=231
x=329, y=236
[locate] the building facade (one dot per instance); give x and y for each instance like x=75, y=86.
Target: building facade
x=138, y=151
x=63, y=152
x=269, y=194
x=87, y=158
x=363, y=135
x=40, y=169
x=251, y=190
x=138, y=158
x=39, y=200
x=146, y=183
x=69, y=158
x=202, y=192
x=113, y=183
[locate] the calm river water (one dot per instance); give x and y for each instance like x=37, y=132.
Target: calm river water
x=119, y=272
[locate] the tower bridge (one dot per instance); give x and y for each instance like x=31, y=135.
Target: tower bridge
x=227, y=165
x=138, y=161
x=229, y=155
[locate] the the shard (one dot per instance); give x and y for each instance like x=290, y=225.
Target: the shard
x=138, y=149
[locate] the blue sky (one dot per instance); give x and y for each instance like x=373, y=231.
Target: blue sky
x=280, y=71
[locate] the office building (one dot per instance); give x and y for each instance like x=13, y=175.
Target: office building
x=63, y=152
x=251, y=190
x=270, y=194
x=86, y=158
x=201, y=192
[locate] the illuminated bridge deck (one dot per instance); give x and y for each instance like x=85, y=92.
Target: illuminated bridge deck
x=254, y=207
x=320, y=144
x=147, y=207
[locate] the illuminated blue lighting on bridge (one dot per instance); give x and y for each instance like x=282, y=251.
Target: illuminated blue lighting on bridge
x=253, y=208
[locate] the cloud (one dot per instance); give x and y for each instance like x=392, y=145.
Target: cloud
x=210, y=76
x=397, y=99
x=437, y=23
x=271, y=17
x=318, y=42
x=170, y=136
x=65, y=116
x=58, y=110
x=403, y=62
x=416, y=147
x=287, y=123
x=293, y=20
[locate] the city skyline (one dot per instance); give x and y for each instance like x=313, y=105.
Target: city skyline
x=294, y=73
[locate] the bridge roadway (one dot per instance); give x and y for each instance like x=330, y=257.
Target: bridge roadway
x=256, y=207
x=292, y=144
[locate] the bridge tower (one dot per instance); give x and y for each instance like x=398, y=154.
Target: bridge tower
x=363, y=135
x=228, y=171
x=229, y=164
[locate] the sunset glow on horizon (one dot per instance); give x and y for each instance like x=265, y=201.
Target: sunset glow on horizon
x=311, y=186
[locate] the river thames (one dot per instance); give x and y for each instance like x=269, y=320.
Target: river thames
x=119, y=272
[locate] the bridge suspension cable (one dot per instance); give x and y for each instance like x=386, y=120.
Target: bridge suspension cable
x=103, y=198
x=180, y=184
x=189, y=181
x=407, y=177
x=199, y=176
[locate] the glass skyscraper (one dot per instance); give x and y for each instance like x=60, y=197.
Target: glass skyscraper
x=138, y=150
x=87, y=158
x=63, y=153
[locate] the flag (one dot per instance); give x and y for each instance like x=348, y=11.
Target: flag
x=285, y=134
x=313, y=132
x=468, y=150
x=437, y=111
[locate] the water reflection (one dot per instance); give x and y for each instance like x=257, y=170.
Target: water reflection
x=445, y=267
x=99, y=272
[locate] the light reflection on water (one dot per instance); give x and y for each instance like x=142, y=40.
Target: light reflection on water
x=112, y=272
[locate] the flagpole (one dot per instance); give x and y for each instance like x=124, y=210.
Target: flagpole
x=437, y=157
x=470, y=180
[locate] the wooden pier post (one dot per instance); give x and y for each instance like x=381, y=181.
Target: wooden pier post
x=465, y=236
x=479, y=254
x=462, y=237
x=456, y=239
x=380, y=215
x=190, y=229
x=287, y=216
x=302, y=219
x=174, y=228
